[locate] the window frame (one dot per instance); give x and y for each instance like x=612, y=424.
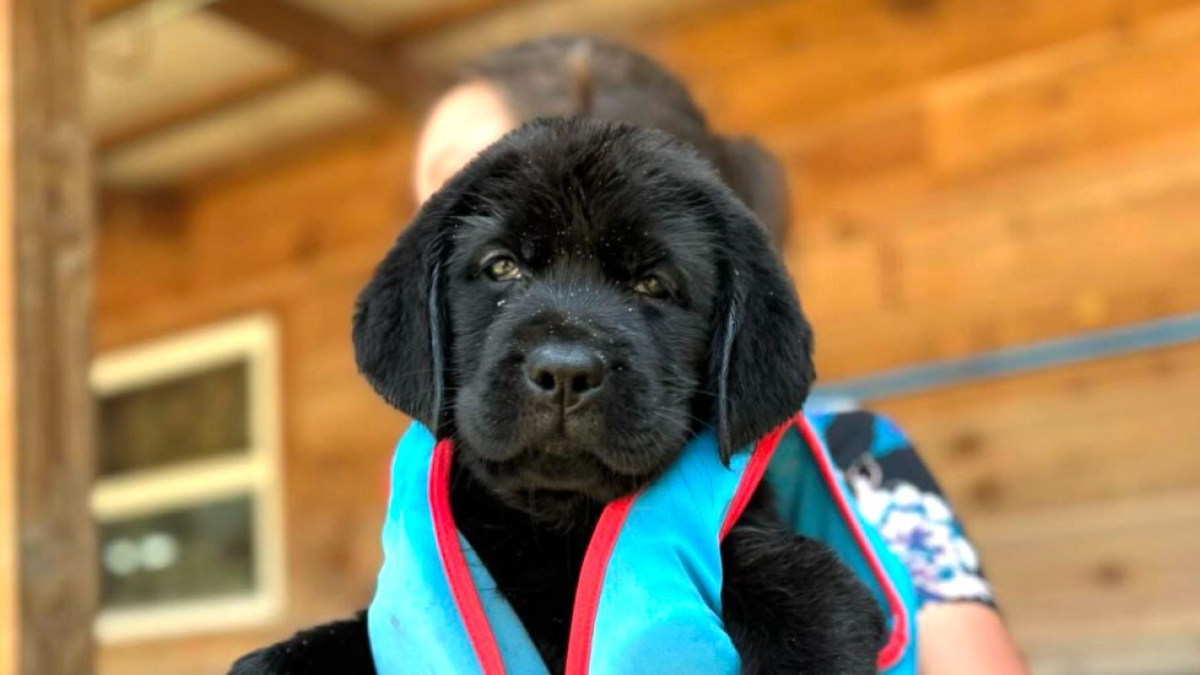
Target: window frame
x=255, y=473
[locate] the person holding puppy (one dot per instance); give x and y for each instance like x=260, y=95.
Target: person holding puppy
x=958, y=625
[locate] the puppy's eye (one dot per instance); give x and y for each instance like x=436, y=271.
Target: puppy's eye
x=652, y=286
x=502, y=267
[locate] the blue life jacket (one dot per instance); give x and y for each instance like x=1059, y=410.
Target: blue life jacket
x=648, y=598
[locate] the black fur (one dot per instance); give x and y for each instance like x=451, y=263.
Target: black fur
x=587, y=211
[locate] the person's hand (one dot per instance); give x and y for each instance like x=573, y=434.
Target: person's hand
x=965, y=637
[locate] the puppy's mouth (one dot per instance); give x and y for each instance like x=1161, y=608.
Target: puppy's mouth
x=560, y=474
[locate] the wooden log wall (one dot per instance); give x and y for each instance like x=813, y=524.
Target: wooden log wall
x=967, y=176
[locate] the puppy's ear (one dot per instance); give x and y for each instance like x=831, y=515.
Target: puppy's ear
x=762, y=351
x=400, y=321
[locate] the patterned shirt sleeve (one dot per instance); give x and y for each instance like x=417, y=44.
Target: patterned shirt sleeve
x=898, y=495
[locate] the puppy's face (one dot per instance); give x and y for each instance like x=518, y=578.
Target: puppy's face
x=577, y=303
x=581, y=303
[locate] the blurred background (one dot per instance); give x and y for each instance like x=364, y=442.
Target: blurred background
x=996, y=232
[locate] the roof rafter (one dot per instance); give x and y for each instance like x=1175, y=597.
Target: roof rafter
x=99, y=10
x=305, y=33
x=322, y=42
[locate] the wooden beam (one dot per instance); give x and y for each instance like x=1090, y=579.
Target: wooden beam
x=47, y=284
x=9, y=585
x=321, y=42
x=98, y=10
x=248, y=92
x=442, y=16
x=236, y=96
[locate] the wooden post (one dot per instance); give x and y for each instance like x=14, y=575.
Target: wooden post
x=48, y=579
x=8, y=411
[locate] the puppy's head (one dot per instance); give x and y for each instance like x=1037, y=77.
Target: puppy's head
x=574, y=305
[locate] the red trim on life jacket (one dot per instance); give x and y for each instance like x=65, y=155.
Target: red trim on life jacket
x=893, y=651
x=604, y=540
x=454, y=564
x=756, y=468
x=591, y=583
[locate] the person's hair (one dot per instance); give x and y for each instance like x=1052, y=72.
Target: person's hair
x=572, y=75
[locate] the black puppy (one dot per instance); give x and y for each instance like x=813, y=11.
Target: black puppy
x=571, y=308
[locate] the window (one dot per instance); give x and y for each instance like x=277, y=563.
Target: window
x=187, y=497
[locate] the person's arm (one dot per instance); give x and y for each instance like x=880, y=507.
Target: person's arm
x=959, y=629
x=956, y=633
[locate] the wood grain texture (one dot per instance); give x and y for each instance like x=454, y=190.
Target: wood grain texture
x=819, y=58
x=1113, y=429
x=1028, y=277
x=52, y=229
x=1119, y=570
x=9, y=583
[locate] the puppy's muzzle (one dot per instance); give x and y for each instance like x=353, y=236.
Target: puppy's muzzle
x=564, y=375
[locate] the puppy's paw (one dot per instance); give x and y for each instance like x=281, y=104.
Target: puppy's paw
x=339, y=648
x=265, y=661
x=791, y=606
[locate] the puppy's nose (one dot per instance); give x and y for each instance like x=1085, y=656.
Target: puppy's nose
x=565, y=374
